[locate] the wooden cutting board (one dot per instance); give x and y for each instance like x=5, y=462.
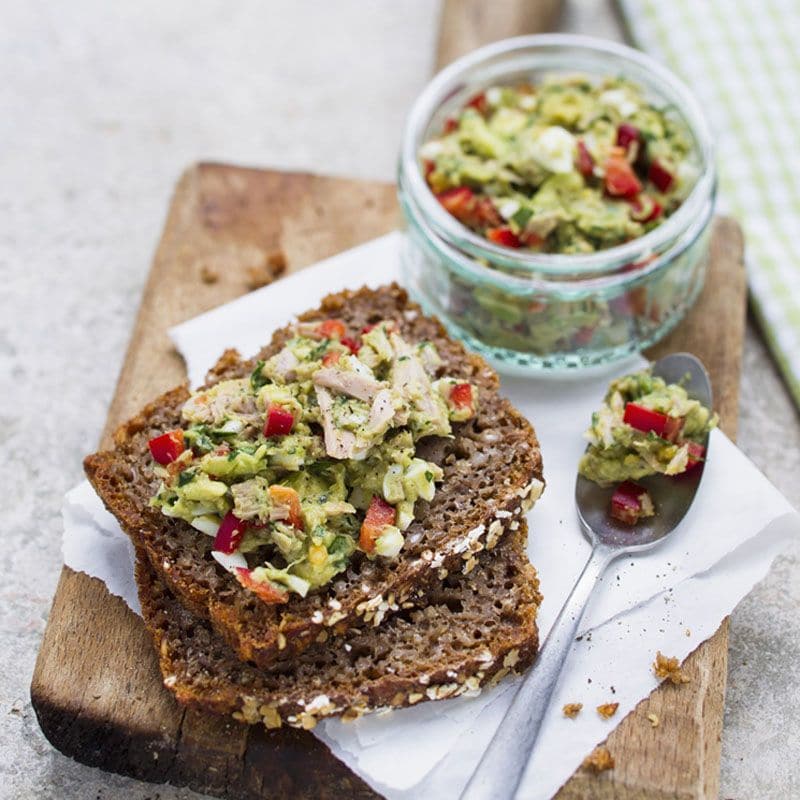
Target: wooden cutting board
x=96, y=688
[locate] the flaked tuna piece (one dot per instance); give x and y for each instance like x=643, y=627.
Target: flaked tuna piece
x=381, y=414
x=411, y=383
x=338, y=443
x=355, y=383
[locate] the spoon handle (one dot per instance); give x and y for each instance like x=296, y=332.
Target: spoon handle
x=501, y=768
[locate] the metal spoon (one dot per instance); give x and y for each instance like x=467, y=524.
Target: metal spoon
x=501, y=768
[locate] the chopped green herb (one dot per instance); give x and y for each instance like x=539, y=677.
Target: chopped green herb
x=257, y=379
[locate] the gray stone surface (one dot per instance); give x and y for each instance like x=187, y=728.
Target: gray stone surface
x=101, y=107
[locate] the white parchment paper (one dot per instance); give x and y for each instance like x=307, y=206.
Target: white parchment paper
x=671, y=599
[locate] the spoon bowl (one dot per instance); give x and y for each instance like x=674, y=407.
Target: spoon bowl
x=672, y=496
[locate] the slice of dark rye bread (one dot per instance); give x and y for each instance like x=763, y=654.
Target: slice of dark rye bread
x=472, y=630
x=492, y=474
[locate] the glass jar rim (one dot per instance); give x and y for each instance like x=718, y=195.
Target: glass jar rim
x=454, y=77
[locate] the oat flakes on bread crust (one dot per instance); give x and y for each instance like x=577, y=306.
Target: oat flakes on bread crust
x=474, y=630
x=492, y=469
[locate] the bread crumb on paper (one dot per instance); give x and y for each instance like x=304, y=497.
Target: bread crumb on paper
x=599, y=760
x=654, y=720
x=668, y=669
x=607, y=710
x=572, y=710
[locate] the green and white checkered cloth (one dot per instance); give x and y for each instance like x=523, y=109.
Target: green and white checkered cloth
x=742, y=59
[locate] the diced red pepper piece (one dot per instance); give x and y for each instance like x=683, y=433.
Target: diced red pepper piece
x=167, y=447
x=660, y=176
x=265, y=590
x=627, y=134
x=621, y=180
x=645, y=210
x=626, y=503
x=450, y=124
x=631, y=303
x=584, y=335
x=379, y=515
x=351, y=344
x=673, y=429
x=460, y=202
x=286, y=497
x=530, y=239
x=486, y=213
x=479, y=103
x=331, y=358
x=428, y=166
x=332, y=329
x=697, y=454
x=503, y=236
x=647, y=421
x=230, y=533
x=584, y=161
x=279, y=421
x=461, y=395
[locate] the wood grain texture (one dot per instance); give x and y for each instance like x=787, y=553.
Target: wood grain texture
x=469, y=24
x=96, y=687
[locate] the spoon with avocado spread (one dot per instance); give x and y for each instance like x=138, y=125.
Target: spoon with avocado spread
x=657, y=423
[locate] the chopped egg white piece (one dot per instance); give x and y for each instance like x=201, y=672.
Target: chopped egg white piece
x=555, y=149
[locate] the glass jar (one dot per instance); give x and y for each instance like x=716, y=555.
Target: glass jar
x=527, y=311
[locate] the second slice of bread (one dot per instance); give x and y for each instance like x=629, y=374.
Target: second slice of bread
x=472, y=629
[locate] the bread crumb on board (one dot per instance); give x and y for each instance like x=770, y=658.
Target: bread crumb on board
x=668, y=669
x=653, y=720
x=273, y=267
x=208, y=274
x=599, y=760
x=572, y=710
x=607, y=710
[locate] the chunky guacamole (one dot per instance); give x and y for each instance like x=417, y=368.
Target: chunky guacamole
x=312, y=456
x=568, y=166
x=645, y=427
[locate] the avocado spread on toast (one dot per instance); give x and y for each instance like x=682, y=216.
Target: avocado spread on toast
x=312, y=456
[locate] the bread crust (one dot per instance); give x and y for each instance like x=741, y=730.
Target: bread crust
x=493, y=472
x=472, y=632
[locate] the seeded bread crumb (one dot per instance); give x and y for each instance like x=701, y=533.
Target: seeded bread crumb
x=607, y=710
x=599, y=760
x=572, y=710
x=668, y=669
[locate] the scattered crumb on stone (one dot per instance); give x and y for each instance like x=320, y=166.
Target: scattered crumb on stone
x=687, y=632
x=599, y=760
x=653, y=720
x=208, y=275
x=607, y=710
x=668, y=669
x=572, y=710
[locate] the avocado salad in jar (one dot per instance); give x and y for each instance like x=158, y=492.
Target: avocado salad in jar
x=572, y=166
